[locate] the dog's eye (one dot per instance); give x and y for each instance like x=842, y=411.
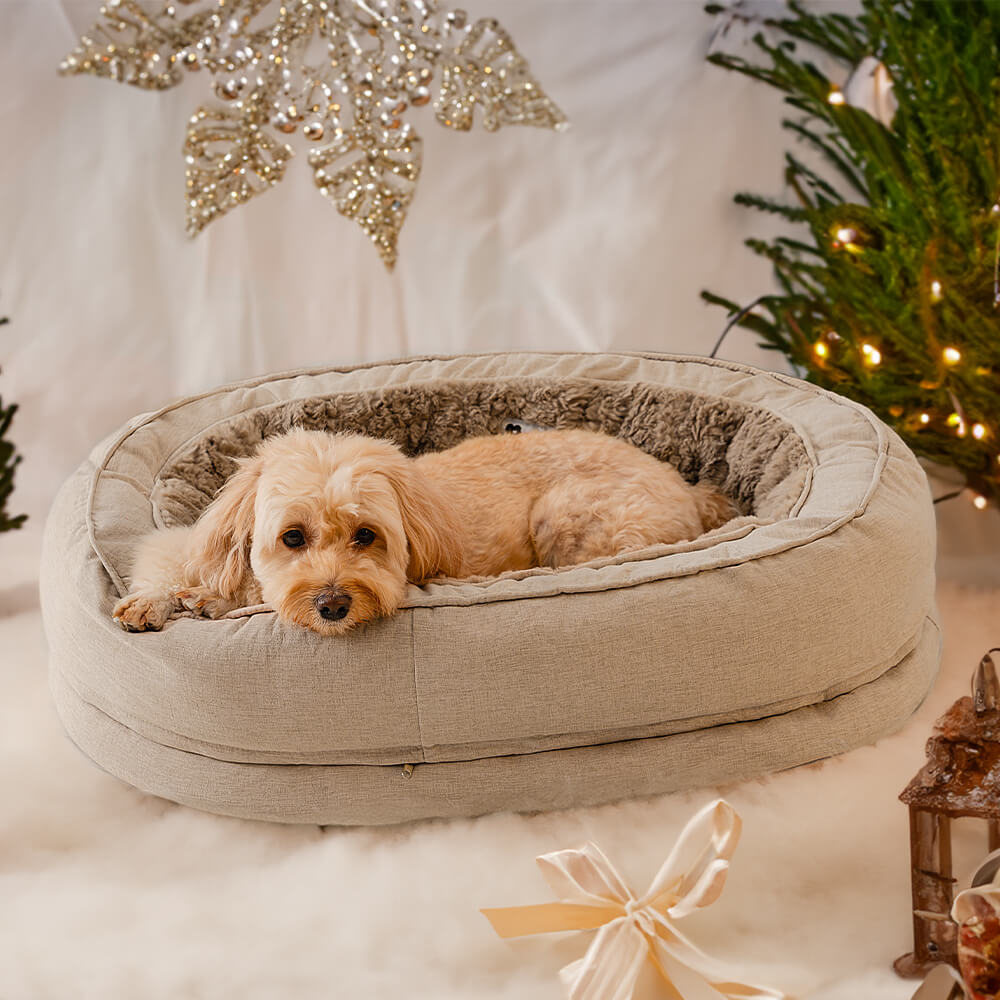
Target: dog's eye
x=294, y=538
x=364, y=536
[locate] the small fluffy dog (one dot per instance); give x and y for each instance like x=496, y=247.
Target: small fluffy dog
x=330, y=528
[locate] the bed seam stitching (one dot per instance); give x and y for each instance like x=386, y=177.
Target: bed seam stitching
x=416, y=686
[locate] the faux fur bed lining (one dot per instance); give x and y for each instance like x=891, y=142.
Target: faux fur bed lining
x=754, y=456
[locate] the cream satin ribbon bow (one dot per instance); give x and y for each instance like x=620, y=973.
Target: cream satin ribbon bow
x=631, y=930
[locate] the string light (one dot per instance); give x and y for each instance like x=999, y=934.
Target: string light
x=820, y=349
x=955, y=420
x=836, y=97
x=936, y=291
x=844, y=237
x=978, y=431
x=925, y=418
x=873, y=355
x=951, y=355
x=980, y=502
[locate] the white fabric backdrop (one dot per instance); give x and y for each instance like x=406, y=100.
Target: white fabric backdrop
x=597, y=238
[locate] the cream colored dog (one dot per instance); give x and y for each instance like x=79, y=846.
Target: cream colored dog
x=330, y=528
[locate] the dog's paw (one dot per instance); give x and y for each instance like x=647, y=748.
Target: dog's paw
x=205, y=602
x=143, y=612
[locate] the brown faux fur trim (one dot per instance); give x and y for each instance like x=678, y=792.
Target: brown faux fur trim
x=754, y=456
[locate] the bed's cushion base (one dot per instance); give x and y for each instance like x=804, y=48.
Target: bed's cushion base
x=353, y=794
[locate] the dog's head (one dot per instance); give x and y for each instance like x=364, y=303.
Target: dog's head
x=332, y=526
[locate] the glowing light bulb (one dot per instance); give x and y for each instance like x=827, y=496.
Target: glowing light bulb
x=955, y=420
x=873, y=355
x=980, y=502
x=836, y=97
x=925, y=418
x=937, y=291
x=820, y=349
x=978, y=431
x=846, y=235
x=951, y=355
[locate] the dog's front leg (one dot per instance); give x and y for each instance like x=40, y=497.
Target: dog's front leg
x=157, y=576
x=148, y=611
x=141, y=612
x=206, y=602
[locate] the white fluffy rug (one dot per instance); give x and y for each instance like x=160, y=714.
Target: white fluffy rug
x=108, y=894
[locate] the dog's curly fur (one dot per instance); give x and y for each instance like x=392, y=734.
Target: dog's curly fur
x=330, y=528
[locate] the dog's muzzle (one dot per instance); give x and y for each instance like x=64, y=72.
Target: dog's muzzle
x=332, y=605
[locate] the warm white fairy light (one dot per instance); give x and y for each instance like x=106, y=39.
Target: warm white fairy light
x=836, y=97
x=846, y=235
x=937, y=291
x=873, y=356
x=955, y=420
x=980, y=502
x=925, y=418
x=978, y=431
x=820, y=349
x=951, y=355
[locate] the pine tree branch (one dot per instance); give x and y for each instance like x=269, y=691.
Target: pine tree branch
x=9, y=460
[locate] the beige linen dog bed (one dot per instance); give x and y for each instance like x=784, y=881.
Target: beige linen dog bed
x=800, y=630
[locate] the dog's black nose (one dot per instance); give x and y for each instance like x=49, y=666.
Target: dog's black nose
x=332, y=604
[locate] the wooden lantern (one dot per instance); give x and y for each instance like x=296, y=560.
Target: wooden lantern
x=961, y=778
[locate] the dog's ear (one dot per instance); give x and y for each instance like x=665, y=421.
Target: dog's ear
x=220, y=554
x=430, y=523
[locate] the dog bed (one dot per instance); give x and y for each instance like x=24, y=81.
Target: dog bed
x=799, y=630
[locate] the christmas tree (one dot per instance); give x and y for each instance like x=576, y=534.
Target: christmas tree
x=893, y=299
x=8, y=462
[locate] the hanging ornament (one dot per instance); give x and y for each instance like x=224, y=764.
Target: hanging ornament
x=869, y=88
x=341, y=72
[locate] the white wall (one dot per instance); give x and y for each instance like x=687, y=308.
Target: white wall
x=595, y=239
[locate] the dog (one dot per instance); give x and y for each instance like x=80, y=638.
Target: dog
x=330, y=529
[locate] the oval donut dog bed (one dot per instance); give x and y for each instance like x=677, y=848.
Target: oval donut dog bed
x=800, y=630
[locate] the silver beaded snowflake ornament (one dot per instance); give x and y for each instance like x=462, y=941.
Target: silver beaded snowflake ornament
x=342, y=72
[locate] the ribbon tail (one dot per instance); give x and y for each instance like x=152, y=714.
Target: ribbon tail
x=611, y=966
x=682, y=972
x=545, y=918
x=741, y=991
x=686, y=982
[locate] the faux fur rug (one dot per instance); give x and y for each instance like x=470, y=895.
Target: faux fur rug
x=111, y=895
